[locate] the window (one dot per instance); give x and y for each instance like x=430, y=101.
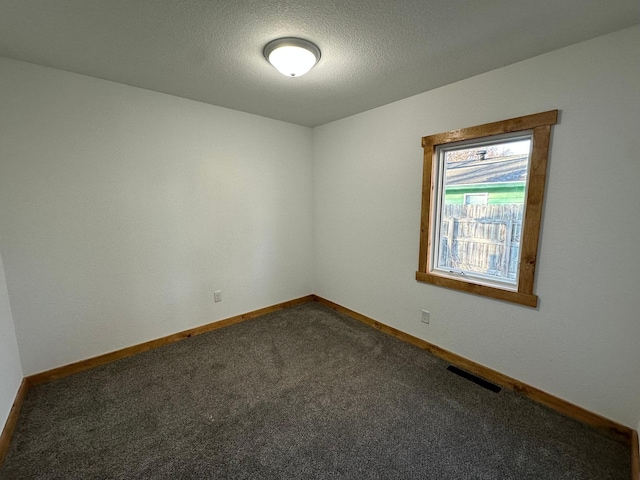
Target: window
x=483, y=189
x=476, y=198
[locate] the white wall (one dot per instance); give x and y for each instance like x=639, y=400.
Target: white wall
x=10, y=368
x=583, y=342
x=121, y=210
x=124, y=209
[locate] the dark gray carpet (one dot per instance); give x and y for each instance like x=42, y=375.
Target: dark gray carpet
x=298, y=394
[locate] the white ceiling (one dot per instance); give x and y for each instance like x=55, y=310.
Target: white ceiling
x=373, y=51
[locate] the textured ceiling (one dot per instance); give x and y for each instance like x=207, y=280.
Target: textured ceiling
x=373, y=51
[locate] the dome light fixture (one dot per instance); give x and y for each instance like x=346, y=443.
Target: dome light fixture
x=292, y=57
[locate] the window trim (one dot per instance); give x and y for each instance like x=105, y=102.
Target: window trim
x=540, y=124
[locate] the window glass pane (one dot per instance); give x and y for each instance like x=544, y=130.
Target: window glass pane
x=482, y=208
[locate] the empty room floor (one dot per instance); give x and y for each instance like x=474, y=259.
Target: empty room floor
x=304, y=392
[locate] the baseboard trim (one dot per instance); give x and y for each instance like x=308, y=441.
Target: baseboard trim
x=635, y=456
x=66, y=370
x=612, y=428
x=12, y=419
x=618, y=431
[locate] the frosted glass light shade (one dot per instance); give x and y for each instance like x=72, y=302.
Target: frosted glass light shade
x=292, y=57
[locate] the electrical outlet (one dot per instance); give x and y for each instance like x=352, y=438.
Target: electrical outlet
x=425, y=316
x=217, y=295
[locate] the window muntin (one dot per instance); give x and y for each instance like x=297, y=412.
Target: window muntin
x=537, y=128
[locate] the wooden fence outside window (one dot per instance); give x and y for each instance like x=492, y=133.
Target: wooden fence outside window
x=482, y=239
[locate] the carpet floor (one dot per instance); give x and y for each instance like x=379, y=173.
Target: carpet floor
x=303, y=393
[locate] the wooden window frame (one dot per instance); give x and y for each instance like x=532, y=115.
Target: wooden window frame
x=540, y=126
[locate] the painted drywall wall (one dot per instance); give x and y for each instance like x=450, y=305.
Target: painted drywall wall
x=10, y=367
x=583, y=341
x=123, y=210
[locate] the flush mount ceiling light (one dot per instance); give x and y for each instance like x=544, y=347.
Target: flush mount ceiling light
x=292, y=57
